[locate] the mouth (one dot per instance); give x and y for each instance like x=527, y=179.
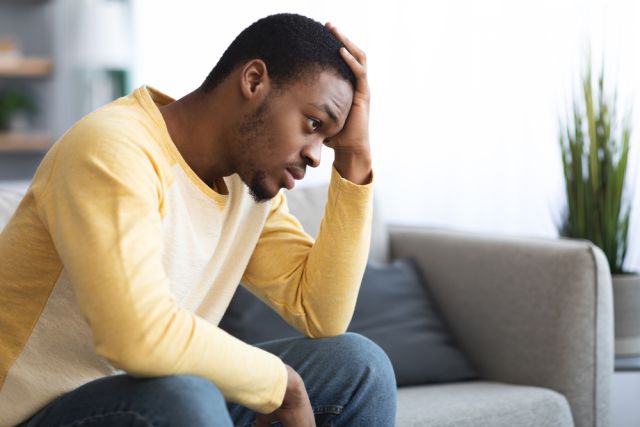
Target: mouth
x=291, y=175
x=296, y=172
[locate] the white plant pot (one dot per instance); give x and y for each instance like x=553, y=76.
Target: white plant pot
x=626, y=310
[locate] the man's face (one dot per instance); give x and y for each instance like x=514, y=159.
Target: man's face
x=286, y=131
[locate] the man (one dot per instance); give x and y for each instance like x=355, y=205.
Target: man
x=140, y=222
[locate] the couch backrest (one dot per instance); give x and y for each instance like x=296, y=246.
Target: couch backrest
x=9, y=201
x=307, y=204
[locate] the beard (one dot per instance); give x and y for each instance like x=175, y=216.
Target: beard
x=258, y=188
x=254, y=143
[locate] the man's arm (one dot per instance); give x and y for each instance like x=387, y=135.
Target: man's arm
x=101, y=205
x=314, y=285
x=352, y=153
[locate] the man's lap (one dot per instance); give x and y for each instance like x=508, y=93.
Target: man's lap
x=327, y=367
x=336, y=371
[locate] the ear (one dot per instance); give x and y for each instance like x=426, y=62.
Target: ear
x=254, y=79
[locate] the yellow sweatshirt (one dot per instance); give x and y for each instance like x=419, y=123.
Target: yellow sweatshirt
x=120, y=259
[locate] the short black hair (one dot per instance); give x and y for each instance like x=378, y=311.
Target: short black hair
x=289, y=44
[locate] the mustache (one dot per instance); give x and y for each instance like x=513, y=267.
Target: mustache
x=301, y=166
x=298, y=172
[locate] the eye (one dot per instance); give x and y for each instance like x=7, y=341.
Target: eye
x=315, y=123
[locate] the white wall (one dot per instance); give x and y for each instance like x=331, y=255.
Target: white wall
x=466, y=93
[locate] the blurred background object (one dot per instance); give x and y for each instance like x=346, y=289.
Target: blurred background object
x=9, y=54
x=103, y=50
x=594, y=140
x=15, y=105
x=59, y=60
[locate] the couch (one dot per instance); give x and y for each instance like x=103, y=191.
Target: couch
x=534, y=316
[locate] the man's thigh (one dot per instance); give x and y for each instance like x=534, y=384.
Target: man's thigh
x=121, y=400
x=349, y=380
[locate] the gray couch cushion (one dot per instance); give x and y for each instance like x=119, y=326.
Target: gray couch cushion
x=307, y=204
x=480, y=403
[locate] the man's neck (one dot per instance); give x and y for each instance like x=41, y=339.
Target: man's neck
x=195, y=125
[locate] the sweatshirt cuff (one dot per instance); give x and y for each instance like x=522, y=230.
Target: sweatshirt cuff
x=278, y=391
x=344, y=185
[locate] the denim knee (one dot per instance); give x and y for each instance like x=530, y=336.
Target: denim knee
x=189, y=400
x=362, y=354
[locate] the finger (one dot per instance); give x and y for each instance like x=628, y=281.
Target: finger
x=298, y=420
x=358, y=69
x=355, y=50
x=264, y=420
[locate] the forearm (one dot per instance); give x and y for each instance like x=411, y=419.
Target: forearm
x=178, y=342
x=336, y=262
x=314, y=284
x=354, y=166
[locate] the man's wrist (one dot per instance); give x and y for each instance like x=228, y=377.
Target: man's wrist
x=353, y=166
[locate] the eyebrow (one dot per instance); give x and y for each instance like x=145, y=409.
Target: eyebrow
x=329, y=111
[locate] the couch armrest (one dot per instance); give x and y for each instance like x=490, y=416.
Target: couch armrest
x=526, y=311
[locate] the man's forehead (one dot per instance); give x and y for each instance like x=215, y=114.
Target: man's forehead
x=330, y=94
x=329, y=110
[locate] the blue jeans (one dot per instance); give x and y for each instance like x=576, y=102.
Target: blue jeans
x=349, y=380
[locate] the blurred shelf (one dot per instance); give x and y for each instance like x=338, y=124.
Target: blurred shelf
x=24, y=142
x=25, y=67
x=627, y=363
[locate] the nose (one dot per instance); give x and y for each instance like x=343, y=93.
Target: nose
x=311, y=153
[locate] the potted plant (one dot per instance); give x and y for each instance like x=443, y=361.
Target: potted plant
x=12, y=103
x=594, y=142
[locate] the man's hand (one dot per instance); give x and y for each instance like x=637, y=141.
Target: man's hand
x=351, y=145
x=295, y=410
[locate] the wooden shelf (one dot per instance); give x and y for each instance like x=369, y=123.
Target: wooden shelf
x=30, y=142
x=25, y=67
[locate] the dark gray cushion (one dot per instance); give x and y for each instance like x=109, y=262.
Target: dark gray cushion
x=393, y=309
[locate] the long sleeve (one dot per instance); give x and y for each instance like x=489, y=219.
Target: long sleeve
x=314, y=285
x=102, y=205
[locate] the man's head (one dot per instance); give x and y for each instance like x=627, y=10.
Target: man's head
x=296, y=92
x=289, y=44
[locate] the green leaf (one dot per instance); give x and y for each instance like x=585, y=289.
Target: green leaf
x=594, y=145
